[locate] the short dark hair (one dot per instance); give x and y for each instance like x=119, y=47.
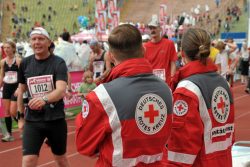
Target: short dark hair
x=125, y=41
x=65, y=36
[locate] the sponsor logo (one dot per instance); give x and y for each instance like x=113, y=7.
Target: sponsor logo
x=151, y=114
x=180, y=107
x=85, y=109
x=220, y=105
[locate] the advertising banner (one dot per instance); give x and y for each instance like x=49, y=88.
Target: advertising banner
x=76, y=80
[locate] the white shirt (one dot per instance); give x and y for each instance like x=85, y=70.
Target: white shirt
x=67, y=52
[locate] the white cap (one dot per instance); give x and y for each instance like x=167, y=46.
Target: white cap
x=41, y=31
x=154, y=21
x=145, y=37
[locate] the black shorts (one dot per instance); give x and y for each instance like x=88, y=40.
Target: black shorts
x=35, y=132
x=9, y=90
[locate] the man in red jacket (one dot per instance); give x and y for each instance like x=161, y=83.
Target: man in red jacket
x=126, y=121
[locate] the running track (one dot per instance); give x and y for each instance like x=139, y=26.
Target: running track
x=11, y=153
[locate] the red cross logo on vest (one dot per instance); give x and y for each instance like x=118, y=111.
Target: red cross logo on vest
x=180, y=107
x=85, y=109
x=151, y=114
x=221, y=105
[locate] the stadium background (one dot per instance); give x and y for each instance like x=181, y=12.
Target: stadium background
x=63, y=14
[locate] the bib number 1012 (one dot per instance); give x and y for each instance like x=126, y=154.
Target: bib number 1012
x=41, y=88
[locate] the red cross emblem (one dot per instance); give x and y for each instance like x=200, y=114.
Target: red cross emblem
x=180, y=107
x=151, y=114
x=221, y=105
x=84, y=108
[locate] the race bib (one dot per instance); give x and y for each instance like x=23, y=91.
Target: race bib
x=160, y=73
x=10, y=77
x=98, y=67
x=40, y=85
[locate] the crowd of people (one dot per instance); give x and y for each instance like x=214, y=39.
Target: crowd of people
x=139, y=108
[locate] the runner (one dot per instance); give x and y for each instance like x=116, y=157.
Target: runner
x=45, y=77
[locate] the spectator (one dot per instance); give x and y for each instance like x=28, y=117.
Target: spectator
x=213, y=51
x=222, y=59
x=87, y=85
x=127, y=118
x=203, y=119
x=217, y=2
x=227, y=25
x=160, y=52
x=49, y=18
x=244, y=64
x=66, y=50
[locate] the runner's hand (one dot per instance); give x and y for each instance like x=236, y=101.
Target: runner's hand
x=36, y=103
x=20, y=123
x=69, y=95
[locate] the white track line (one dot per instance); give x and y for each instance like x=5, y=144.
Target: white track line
x=240, y=97
x=242, y=115
x=51, y=162
x=12, y=149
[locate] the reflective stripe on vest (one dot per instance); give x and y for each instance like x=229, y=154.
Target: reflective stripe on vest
x=210, y=146
x=181, y=157
x=115, y=124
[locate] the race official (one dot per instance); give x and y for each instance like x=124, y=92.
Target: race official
x=126, y=121
x=203, y=121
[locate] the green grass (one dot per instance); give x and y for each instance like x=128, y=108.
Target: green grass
x=74, y=111
x=64, y=18
x=240, y=26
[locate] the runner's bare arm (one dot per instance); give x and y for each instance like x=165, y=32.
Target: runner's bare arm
x=18, y=61
x=1, y=72
x=69, y=82
x=173, y=68
x=91, y=60
x=108, y=65
x=69, y=90
x=21, y=89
